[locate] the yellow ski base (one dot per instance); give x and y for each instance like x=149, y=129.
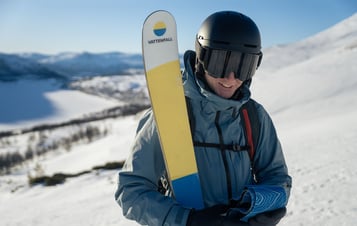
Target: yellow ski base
x=171, y=116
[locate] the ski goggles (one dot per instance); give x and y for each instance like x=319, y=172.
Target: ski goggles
x=219, y=63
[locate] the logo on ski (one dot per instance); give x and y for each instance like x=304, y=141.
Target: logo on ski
x=159, y=30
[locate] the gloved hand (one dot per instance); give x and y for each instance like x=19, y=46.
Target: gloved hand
x=213, y=216
x=270, y=218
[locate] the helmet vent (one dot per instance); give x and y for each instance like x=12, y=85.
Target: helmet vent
x=250, y=46
x=221, y=42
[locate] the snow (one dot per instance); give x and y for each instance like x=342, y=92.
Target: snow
x=113, y=147
x=127, y=88
x=311, y=96
x=72, y=203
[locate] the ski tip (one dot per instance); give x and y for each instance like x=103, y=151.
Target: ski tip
x=159, y=13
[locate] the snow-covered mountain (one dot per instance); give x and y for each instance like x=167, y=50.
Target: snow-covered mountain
x=14, y=67
x=68, y=65
x=89, y=64
x=310, y=89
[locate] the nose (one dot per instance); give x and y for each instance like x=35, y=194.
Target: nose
x=231, y=76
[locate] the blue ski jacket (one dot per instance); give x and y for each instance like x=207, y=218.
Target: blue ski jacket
x=137, y=191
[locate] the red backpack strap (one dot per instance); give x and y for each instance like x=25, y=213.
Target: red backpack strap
x=248, y=133
x=251, y=126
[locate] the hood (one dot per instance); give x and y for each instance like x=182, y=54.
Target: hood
x=196, y=90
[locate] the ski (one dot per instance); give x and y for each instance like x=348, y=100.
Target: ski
x=164, y=82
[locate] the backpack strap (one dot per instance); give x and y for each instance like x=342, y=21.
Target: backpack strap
x=251, y=125
x=190, y=115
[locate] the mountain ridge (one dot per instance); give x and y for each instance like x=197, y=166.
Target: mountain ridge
x=68, y=65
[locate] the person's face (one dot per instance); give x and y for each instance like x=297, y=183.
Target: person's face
x=224, y=87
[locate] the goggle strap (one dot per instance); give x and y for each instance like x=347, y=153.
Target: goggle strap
x=201, y=53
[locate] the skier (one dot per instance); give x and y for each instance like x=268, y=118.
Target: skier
x=217, y=78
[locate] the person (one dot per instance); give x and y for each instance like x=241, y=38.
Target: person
x=217, y=78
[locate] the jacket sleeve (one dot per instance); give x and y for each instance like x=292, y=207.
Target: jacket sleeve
x=269, y=162
x=137, y=191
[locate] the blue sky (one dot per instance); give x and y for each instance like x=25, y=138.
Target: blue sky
x=53, y=26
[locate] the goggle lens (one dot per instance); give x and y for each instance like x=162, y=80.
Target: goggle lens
x=219, y=63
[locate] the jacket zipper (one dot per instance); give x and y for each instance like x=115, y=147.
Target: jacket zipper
x=224, y=157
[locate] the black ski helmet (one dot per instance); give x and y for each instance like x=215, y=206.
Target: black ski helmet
x=229, y=41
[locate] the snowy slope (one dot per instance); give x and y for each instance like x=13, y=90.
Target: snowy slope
x=310, y=89
x=342, y=35
x=126, y=88
x=313, y=101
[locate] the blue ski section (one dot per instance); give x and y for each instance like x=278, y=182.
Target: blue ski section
x=189, y=194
